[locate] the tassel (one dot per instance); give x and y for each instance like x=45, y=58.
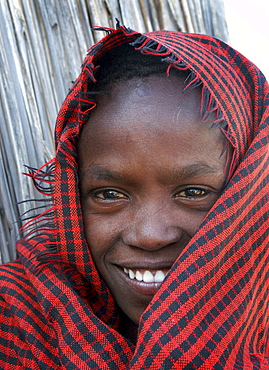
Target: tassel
x=43, y=175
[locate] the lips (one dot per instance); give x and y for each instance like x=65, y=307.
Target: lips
x=144, y=281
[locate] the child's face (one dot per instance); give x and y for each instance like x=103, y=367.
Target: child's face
x=150, y=172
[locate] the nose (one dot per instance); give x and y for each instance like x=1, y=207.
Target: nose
x=152, y=230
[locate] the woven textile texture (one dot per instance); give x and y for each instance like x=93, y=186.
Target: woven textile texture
x=212, y=311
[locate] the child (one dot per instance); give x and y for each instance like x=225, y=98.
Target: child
x=154, y=253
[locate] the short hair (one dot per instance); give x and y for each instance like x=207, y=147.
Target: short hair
x=125, y=62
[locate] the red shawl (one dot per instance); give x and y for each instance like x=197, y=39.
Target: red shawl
x=212, y=311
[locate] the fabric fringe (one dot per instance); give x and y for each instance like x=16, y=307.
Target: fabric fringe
x=109, y=30
x=149, y=46
x=44, y=222
x=22, y=217
x=41, y=176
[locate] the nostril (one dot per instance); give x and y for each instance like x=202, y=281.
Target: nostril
x=153, y=227
x=150, y=240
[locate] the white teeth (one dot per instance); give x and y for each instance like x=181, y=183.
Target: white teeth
x=131, y=274
x=146, y=277
x=138, y=276
x=159, y=277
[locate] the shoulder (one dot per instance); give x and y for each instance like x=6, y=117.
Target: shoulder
x=12, y=273
x=15, y=286
x=24, y=330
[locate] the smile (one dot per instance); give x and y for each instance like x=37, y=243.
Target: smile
x=146, y=276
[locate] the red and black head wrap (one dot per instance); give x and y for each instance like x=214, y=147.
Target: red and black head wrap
x=212, y=311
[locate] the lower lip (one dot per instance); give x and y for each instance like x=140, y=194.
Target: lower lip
x=148, y=289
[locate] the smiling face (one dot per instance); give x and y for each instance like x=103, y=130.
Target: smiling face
x=150, y=170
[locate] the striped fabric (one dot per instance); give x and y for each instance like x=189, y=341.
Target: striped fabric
x=212, y=311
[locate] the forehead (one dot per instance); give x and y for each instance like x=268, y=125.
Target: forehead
x=153, y=101
x=149, y=117
x=141, y=90
x=149, y=98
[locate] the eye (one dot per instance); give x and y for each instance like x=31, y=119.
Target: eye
x=192, y=193
x=108, y=195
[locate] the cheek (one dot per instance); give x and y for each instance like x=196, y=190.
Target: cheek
x=191, y=221
x=101, y=234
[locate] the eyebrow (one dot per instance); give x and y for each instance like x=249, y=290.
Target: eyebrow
x=102, y=173
x=189, y=171
x=98, y=172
